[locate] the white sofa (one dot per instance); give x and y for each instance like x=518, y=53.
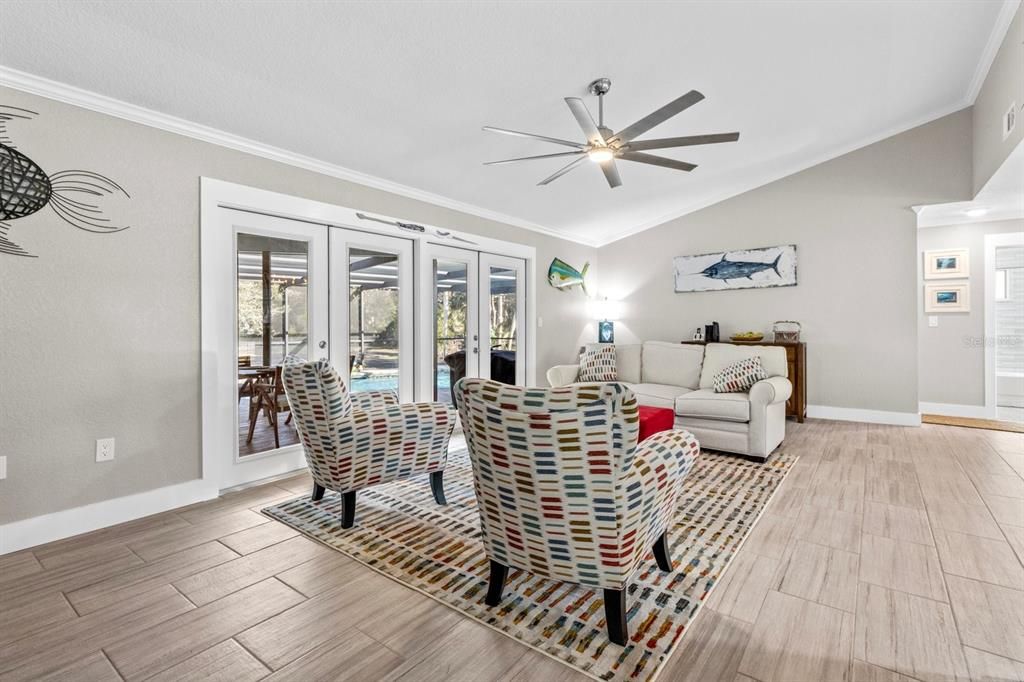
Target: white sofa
x=681, y=376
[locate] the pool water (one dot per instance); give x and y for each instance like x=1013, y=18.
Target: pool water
x=389, y=382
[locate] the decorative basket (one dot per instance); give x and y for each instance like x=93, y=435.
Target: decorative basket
x=786, y=331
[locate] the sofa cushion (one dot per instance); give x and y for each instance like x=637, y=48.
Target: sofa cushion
x=707, y=404
x=657, y=395
x=598, y=365
x=672, y=364
x=627, y=360
x=740, y=376
x=718, y=356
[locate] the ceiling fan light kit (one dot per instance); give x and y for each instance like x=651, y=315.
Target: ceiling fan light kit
x=604, y=146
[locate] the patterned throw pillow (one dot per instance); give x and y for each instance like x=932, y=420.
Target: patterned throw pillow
x=740, y=376
x=598, y=364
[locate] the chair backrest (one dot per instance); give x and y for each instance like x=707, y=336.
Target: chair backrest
x=546, y=464
x=319, y=403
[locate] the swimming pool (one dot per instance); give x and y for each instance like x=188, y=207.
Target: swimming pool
x=389, y=382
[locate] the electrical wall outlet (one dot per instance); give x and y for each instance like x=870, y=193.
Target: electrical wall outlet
x=1009, y=120
x=3, y=467
x=104, y=449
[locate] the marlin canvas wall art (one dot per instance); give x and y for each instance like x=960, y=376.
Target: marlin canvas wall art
x=774, y=266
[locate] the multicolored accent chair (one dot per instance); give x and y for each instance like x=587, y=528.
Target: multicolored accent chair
x=563, y=488
x=353, y=441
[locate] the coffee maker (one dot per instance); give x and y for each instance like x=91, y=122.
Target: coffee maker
x=711, y=333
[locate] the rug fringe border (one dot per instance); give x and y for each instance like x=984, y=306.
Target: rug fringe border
x=661, y=664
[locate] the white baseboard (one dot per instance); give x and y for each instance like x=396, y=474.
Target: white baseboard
x=953, y=410
x=58, y=525
x=852, y=414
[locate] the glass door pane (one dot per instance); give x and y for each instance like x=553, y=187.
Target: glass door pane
x=371, y=311
x=373, y=320
x=502, y=318
x=273, y=316
x=451, y=329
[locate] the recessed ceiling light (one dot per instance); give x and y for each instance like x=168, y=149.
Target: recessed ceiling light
x=976, y=212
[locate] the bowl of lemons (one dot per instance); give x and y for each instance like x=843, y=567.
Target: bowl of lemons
x=747, y=336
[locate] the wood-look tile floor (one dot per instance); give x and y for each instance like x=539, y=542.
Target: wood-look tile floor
x=890, y=554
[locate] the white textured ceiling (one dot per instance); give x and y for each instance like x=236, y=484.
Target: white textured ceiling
x=399, y=90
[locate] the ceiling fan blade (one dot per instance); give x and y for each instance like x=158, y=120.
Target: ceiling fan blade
x=692, y=140
x=657, y=161
x=611, y=173
x=562, y=171
x=542, y=138
x=531, y=158
x=586, y=121
x=658, y=117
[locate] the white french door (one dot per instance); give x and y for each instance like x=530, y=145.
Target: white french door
x=391, y=309
x=449, y=331
x=474, y=319
x=372, y=311
x=269, y=301
x=502, y=318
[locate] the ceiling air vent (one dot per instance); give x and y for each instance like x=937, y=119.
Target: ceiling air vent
x=1009, y=120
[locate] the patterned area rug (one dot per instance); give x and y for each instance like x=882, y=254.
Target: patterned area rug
x=404, y=535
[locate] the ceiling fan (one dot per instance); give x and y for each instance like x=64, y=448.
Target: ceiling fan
x=603, y=146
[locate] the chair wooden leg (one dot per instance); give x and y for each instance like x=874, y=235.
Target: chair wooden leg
x=253, y=415
x=318, y=492
x=273, y=422
x=496, y=585
x=615, y=615
x=437, y=486
x=661, y=552
x=348, y=509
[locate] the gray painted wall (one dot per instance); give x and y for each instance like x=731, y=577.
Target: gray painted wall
x=951, y=363
x=1003, y=85
x=100, y=333
x=857, y=243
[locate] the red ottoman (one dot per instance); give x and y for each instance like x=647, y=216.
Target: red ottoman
x=654, y=420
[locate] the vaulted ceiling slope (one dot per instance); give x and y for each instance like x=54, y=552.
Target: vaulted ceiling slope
x=399, y=90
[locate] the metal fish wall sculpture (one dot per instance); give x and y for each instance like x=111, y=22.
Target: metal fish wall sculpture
x=563, y=276
x=76, y=196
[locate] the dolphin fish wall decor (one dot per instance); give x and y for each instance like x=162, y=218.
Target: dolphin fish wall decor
x=563, y=276
x=773, y=266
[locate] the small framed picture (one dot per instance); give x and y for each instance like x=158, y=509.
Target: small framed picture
x=947, y=264
x=605, y=331
x=947, y=298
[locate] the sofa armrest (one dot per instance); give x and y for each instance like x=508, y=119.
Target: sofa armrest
x=563, y=375
x=367, y=400
x=770, y=391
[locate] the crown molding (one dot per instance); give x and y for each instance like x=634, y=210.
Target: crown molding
x=103, y=104
x=995, y=41
x=69, y=94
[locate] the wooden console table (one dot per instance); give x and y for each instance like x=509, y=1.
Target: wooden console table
x=796, y=359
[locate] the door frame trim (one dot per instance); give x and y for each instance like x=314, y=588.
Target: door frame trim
x=215, y=194
x=992, y=242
